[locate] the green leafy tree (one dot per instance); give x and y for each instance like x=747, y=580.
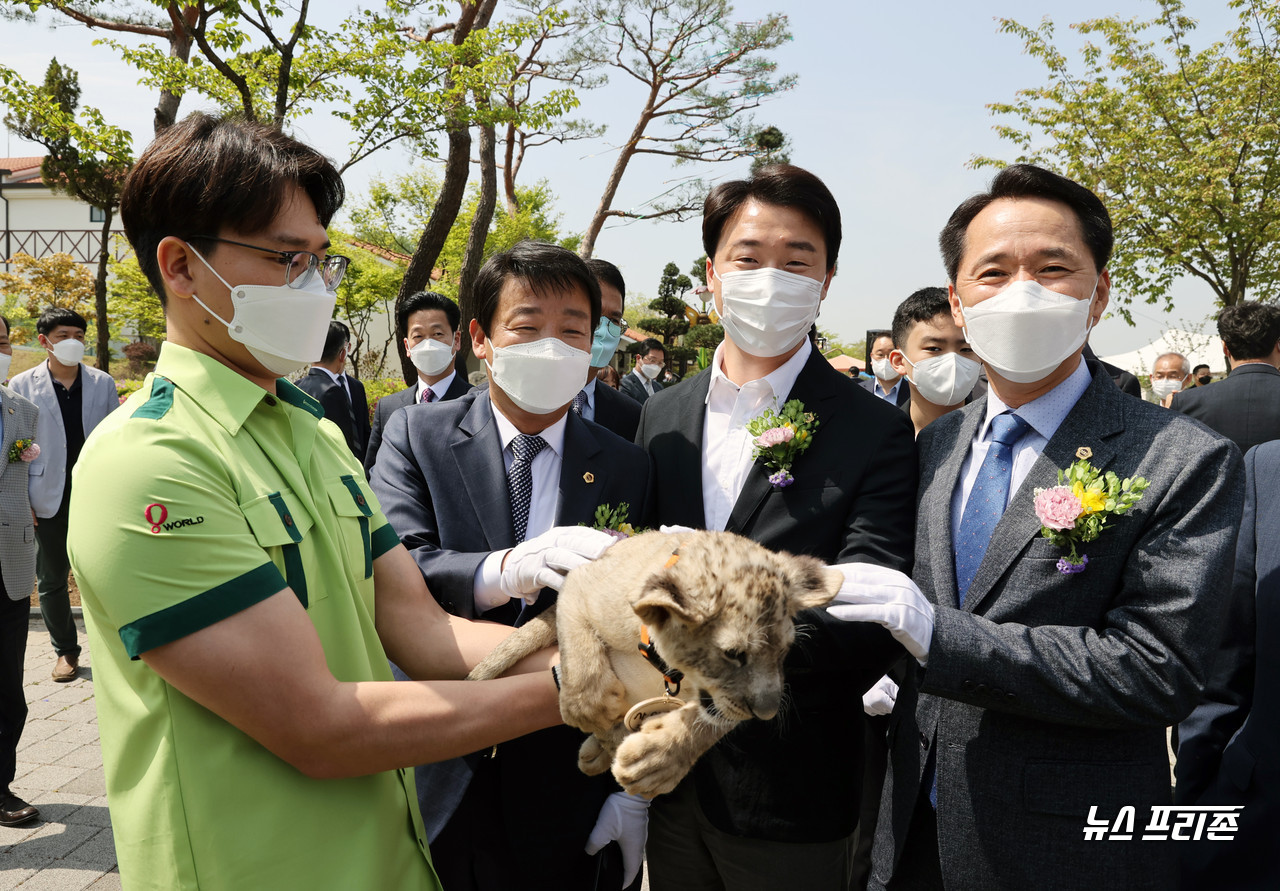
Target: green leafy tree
x=672, y=319
x=700, y=74
x=34, y=285
x=367, y=292
x=87, y=159
x=772, y=147
x=1183, y=146
x=132, y=305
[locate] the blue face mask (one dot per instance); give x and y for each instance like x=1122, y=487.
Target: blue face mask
x=605, y=342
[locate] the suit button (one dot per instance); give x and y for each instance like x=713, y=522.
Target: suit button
x=270, y=400
x=1009, y=697
x=966, y=685
x=982, y=688
x=924, y=741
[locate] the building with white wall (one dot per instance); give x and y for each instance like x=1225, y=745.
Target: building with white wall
x=39, y=221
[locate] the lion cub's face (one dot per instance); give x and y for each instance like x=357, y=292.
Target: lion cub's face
x=722, y=614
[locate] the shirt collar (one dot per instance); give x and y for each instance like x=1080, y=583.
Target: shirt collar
x=1045, y=413
x=889, y=392
x=336, y=378
x=781, y=380
x=590, y=390
x=553, y=436
x=440, y=387
x=225, y=395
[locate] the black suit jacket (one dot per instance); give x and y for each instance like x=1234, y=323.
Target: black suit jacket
x=442, y=484
x=1244, y=406
x=633, y=388
x=390, y=404
x=352, y=417
x=1229, y=749
x=798, y=777
x=904, y=391
x=617, y=411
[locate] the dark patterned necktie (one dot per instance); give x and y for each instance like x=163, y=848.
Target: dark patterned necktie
x=580, y=402
x=428, y=395
x=524, y=449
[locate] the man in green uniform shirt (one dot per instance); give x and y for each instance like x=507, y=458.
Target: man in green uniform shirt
x=242, y=589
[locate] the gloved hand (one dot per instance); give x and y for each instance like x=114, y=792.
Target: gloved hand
x=887, y=597
x=880, y=699
x=624, y=818
x=678, y=530
x=544, y=561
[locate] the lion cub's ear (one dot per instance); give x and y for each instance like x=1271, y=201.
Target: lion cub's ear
x=812, y=583
x=662, y=599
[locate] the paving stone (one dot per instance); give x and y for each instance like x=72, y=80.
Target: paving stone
x=55, y=841
x=99, y=851
x=80, y=734
x=48, y=751
x=82, y=712
x=13, y=877
x=91, y=782
x=63, y=878
x=95, y=813
x=48, y=778
x=83, y=755
x=35, y=731
x=13, y=835
x=109, y=882
x=55, y=807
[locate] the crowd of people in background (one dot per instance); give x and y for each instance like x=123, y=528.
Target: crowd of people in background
x=284, y=586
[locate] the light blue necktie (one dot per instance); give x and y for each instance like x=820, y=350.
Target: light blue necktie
x=982, y=512
x=987, y=500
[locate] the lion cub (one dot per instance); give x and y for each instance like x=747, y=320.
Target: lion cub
x=717, y=609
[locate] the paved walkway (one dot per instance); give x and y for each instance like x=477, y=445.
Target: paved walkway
x=70, y=847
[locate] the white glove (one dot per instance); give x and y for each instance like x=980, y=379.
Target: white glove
x=624, y=818
x=677, y=530
x=880, y=699
x=887, y=597
x=544, y=561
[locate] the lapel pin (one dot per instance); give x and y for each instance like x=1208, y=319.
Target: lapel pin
x=1084, y=453
x=10, y=411
x=588, y=477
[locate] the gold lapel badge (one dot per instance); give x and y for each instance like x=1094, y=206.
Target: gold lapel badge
x=1084, y=453
x=588, y=477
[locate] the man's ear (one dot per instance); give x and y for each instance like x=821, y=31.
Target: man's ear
x=898, y=360
x=954, y=298
x=477, y=340
x=176, y=262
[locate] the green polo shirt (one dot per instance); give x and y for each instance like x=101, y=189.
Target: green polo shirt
x=200, y=497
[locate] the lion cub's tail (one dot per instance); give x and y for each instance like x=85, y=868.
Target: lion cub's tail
x=536, y=634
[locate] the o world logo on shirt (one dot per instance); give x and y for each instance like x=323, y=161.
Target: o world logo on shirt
x=157, y=513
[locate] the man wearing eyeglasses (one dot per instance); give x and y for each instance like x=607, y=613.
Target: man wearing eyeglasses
x=605, y=405
x=243, y=590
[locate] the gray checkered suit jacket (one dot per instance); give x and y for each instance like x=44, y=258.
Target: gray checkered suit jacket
x=17, y=533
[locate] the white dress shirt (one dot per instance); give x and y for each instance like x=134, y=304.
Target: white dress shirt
x=891, y=395
x=644, y=381
x=1044, y=415
x=544, y=503
x=726, y=444
x=440, y=387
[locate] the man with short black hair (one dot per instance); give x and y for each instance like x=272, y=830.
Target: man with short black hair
x=242, y=589
x=340, y=394
x=603, y=404
x=1245, y=405
x=931, y=354
x=480, y=490
x=643, y=381
x=1203, y=375
x=886, y=381
x=73, y=398
x=427, y=322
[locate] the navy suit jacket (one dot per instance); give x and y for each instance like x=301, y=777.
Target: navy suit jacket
x=904, y=391
x=441, y=481
x=1229, y=748
x=616, y=411
x=391, y=403
x=352, y=417
x=1244, y=406
x=797, y=778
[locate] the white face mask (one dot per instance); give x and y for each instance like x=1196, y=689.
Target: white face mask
x=5, y=361
x=1164, y=388
x=945, y=379
x=883, y=370
x=1026, y=331
x=768, y=311
x=539, y=377
x=431, y=357
x=68, y=352
x=283, y=328
x=651, y=371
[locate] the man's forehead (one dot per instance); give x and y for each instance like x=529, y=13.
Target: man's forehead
x=1040, y=227
x=428, y=317
x=940, y=327
x=757, y=224
x=522, y=297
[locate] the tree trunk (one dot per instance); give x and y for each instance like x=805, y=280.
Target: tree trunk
x=508, y=171
x=100, y=293
x=588, y=245
x=474, y=254
x=179, y=48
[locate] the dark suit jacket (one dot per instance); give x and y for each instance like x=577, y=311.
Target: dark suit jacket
x=352, y=417
x=1124, y=379
x=1244, y=406
x=798, y=777
x=904, y=391
x=1046, y=694
x=441, y=482
x=1229, y=749
x=617, y=411
x=633, y=388
x=391, y=403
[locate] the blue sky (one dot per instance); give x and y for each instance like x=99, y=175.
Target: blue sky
x=889, y=109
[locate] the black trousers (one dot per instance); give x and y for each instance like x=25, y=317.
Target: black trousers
x=14, y=622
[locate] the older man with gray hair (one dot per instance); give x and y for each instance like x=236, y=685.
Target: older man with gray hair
x=1171, y=372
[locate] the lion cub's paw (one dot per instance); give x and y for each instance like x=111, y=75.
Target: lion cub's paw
x=594, y=758
x=595, y=710
x=649, y=762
